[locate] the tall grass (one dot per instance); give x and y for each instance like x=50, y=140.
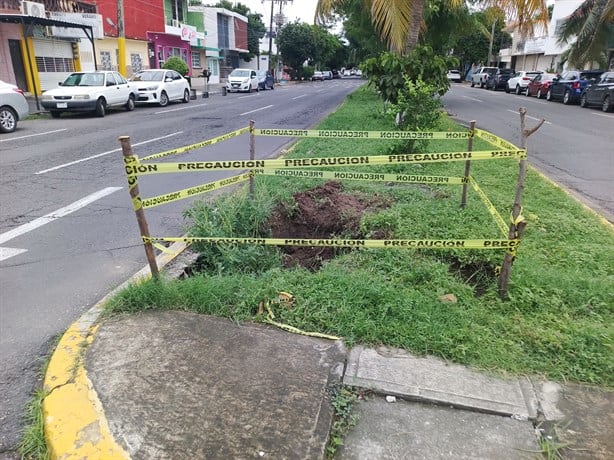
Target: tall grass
x=557, y=321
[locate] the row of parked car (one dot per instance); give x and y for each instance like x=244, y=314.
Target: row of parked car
x=587, y=87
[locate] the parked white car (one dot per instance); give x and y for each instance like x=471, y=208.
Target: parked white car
x=242, y=80
x=90, y=92
x=519, y=82
x=454, y=76
x=13, y=107
x=160, y=86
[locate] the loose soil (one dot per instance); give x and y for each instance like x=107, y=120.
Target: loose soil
x=321, y=213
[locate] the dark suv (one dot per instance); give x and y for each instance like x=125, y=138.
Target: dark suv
x=499, y=79
x=568, y=88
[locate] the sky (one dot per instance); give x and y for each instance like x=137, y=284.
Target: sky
x=303, y=10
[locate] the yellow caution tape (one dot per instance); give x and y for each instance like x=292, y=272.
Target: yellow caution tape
x=366, y=177
x=347, y=243
x=164, y=249
x=342, y=134
x=493, y=211
x=137, y=203
x=221, y=165
x=270, y=319
x=193, y=191
x=518, y=219
x=495, y=140
x=198, y=145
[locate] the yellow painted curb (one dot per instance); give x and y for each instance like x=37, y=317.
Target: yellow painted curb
x=74, y=421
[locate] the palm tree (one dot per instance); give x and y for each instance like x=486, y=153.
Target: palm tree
x=399, y=21
x=593, y=25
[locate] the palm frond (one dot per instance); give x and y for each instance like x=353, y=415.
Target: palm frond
x=392, y=19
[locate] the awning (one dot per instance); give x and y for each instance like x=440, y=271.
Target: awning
x=29, y=21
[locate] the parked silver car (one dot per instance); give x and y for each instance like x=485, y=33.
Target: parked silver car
x=13, y=107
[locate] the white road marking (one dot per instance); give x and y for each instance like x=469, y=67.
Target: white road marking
x=530, y=117
x=104, y=153
x=298, y=97
x=33, y=135
x=473, y=98
x=602, y=115
x=5, y=253
x=184, y=107
x=256, y=110
x=243, y=97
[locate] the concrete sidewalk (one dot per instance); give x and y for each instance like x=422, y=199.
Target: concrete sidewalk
x=179, y=385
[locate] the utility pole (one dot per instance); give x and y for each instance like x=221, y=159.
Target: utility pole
x=271, y=35
x=492, y=37
x=281, y=2
x=121, y=39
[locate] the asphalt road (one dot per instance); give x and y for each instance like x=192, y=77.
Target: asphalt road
x=574, y=147
x=68, y=232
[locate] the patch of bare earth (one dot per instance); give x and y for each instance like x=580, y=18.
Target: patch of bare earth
x=323, y=212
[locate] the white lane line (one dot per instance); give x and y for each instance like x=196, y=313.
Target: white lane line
x=5, y=253
x=602, y=115
x=243, y=97
x=473, y=98
x=530, y=117
x=33, y=135
x=298, y=97
x=185, y=107
x=257, y=110
x=105, y=153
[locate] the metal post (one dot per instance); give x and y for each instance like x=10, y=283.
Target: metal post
x=467, y=166
x=252, y=155
x=271, y=35
x=121, y=39
x=133, y=186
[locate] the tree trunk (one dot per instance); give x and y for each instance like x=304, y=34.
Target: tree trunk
x=414, y=28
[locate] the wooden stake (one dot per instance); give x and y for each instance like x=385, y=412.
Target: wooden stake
x=133, y=186
x=517, y=224
x=467, y=166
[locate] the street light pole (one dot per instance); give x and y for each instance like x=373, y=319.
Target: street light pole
x=271, y=35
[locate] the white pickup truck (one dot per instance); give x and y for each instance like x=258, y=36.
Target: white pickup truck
x=481, y=75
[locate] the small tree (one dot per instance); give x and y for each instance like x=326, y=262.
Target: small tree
x=417, y=109
x=178, y=64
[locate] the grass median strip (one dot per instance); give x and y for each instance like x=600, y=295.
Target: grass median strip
x=557, y=321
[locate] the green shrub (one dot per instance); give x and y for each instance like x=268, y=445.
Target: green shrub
x=178, y=64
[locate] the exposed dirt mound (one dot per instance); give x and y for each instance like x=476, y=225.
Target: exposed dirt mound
x=323, y=212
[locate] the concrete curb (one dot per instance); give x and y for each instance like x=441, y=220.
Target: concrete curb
x=74, y=422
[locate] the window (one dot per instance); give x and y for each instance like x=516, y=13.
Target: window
x=136, y=62
x=105, y=60
x=111, y=80
x=223, y=40
x=54, y=64
x=196, y=59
